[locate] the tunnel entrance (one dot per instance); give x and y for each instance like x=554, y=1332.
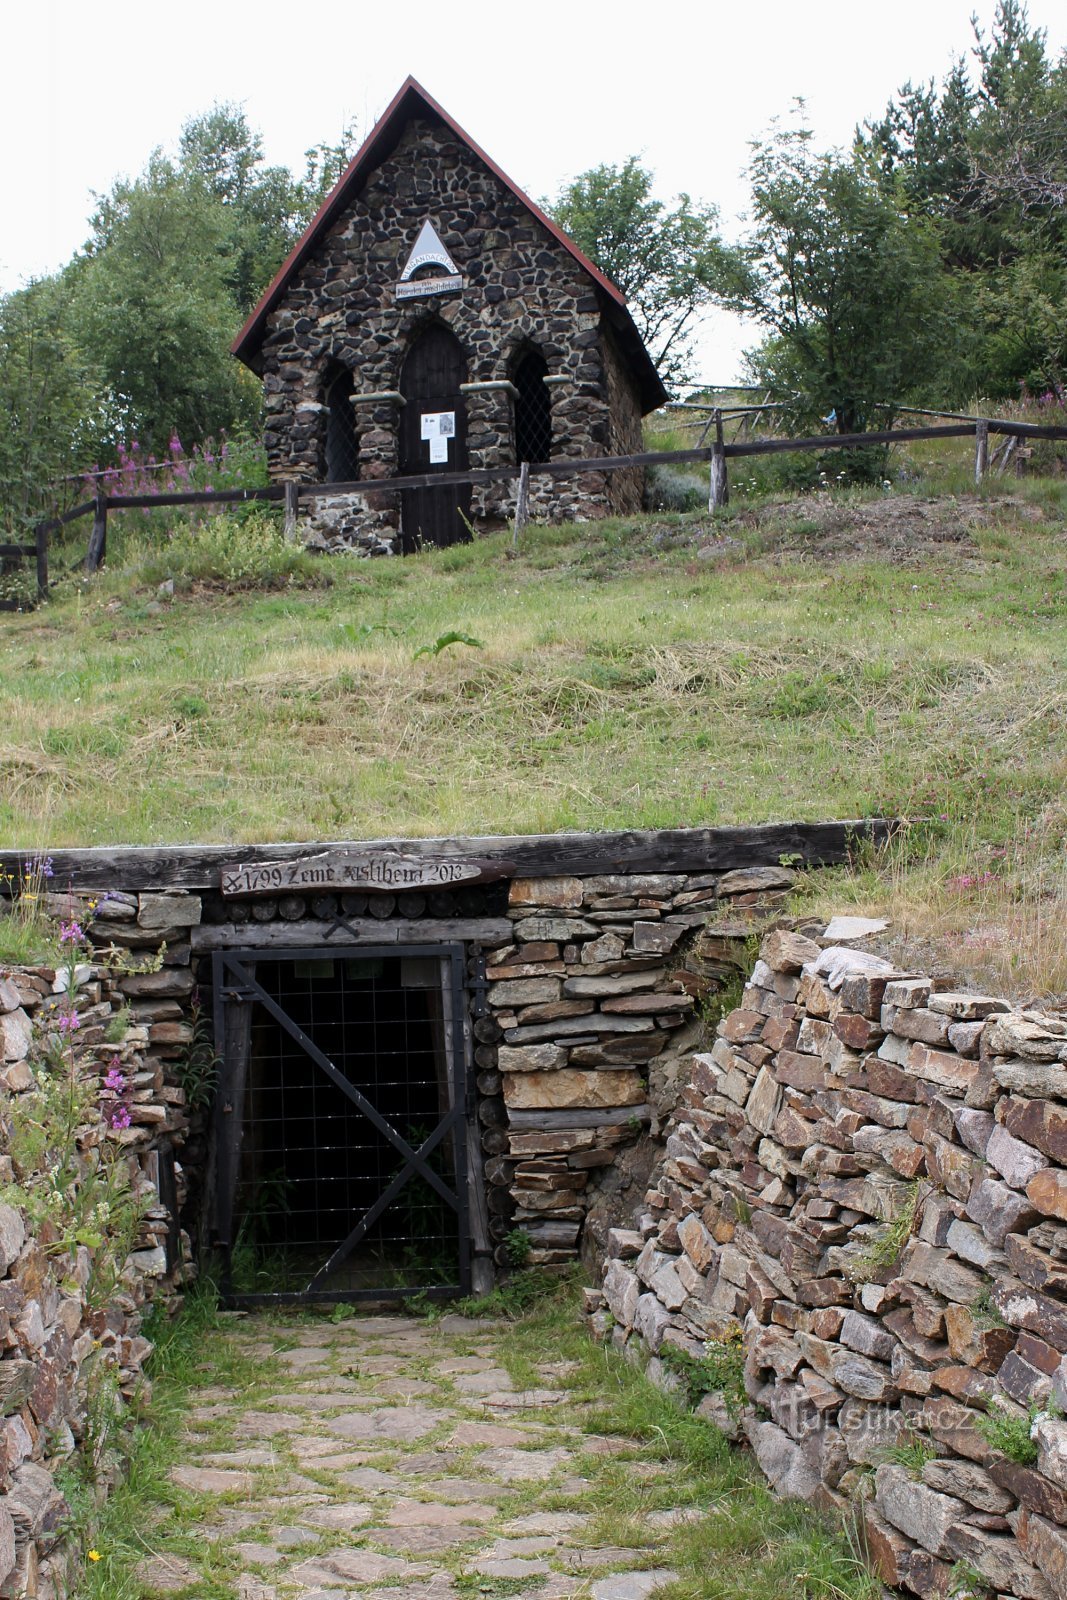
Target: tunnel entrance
x=340, y=1124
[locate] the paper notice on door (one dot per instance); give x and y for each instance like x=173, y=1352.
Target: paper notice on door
x=439, y=448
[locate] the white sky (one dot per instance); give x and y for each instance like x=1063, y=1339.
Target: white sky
x=548, y=89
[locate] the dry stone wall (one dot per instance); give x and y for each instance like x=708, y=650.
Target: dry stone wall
x=867, y=1174
x=68, y=1346
x=591, y=1017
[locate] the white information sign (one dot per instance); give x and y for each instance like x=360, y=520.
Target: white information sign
x=438, y=424
x=439, y=448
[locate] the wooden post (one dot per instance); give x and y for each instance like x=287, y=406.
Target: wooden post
x=522, y=503
x=40, y=539
x=97, y=550
x=981, y=449
x=292, y=511
x=719, y=494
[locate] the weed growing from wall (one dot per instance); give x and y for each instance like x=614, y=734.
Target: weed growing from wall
x=720, y=1370
x=72, y=1177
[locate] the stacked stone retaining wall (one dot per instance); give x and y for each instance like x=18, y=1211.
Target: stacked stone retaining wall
x=592, y=1008
x=72, y=1357
x=867, y=1174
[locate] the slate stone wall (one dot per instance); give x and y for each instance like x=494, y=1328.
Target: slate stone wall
x=522, y=289
x=61, y=1343
x=593, y=1019
x=867, y=1176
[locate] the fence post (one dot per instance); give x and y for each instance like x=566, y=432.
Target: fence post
x=981, y=449
x=97, y=550
x=521, y=503
x=40, y=539
x=292, y=510
x=719, y=494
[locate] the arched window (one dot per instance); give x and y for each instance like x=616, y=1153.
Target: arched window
x=533, y=409
x=342, y=441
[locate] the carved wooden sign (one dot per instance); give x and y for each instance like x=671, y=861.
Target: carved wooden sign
x=363, y=871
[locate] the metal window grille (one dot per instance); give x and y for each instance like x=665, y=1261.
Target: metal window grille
x=533, y=410
x=342, y=441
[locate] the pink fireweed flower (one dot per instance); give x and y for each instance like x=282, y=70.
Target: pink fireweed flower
x=114, y=1079
x=69, y=1022
x=70, y=933
x=120, y=1117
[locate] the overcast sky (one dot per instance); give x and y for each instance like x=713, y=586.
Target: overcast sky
x=548, y=90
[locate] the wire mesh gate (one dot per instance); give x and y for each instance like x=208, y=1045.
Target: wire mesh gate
x=340, y=1123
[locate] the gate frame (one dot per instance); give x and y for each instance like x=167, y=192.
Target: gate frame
x=241, y=986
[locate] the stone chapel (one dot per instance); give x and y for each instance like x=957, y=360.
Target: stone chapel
x=431, y=320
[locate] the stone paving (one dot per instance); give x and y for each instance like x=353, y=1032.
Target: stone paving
x=388, y=1458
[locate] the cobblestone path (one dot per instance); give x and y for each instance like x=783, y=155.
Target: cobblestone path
x=389, y=1458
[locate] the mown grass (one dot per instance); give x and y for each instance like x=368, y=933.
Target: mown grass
x=843, y=654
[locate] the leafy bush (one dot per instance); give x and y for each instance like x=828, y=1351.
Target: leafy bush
x=242, y=551
x=673, y=489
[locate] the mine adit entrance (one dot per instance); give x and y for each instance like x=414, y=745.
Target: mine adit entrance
x=341, y=1123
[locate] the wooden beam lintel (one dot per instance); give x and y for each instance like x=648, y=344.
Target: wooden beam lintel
x=198, y=867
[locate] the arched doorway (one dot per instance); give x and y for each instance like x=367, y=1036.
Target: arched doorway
x=433, y=439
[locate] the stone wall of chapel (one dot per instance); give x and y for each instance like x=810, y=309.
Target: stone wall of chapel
x=521, y=288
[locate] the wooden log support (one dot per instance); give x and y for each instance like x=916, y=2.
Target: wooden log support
x=199, y=866
x=981, y=449
x=97, y=550
x=292, y=512
x=522, y=502
x=719, y=489
x=40, y=540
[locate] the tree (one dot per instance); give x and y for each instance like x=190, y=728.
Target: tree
x=849, y=287
x=51, y=414
x=266, y=209
x=156, y=308
x=669, y=263
x=176, y=259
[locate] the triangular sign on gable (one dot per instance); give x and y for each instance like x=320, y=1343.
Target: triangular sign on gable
x=428, y=251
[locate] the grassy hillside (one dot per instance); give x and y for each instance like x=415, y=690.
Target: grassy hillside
x=837, y=654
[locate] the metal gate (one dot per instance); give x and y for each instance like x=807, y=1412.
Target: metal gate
x=340, y=1123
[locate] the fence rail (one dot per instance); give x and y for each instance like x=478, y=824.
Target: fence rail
x=716, y=455
x=38, y=552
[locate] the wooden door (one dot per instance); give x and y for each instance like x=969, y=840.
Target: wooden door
x=430, y=382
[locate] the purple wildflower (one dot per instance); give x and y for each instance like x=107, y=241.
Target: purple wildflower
x=114, y=1079
x=70, y=933
x=69, y=1022
x=120, y=1117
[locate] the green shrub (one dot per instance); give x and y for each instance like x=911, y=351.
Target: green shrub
x=241, y=550
x=673, y=489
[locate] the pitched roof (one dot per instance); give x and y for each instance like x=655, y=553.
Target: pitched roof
x=412, y=100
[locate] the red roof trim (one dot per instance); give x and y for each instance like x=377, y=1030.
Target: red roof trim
x=248, y=339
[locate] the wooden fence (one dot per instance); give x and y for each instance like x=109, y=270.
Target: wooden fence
x=716, y=455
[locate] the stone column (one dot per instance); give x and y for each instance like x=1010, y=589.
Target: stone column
x=490, y=406
x=378, y=428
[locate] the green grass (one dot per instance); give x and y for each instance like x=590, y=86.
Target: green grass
x=744, y=1543
x=749, y=1543
x=130, y=1524
x=845, y=653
